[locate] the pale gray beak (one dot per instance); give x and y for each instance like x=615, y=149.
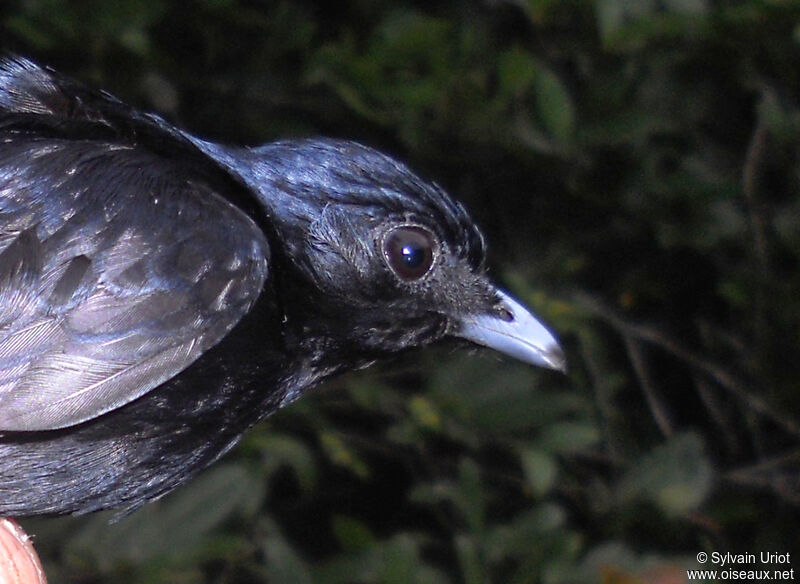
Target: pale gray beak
x=511, y=329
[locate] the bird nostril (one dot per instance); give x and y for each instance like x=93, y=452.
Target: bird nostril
x=504, y=313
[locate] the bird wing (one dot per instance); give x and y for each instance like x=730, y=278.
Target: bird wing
x=119, y=267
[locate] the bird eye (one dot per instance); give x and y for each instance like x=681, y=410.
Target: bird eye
x=409, y=251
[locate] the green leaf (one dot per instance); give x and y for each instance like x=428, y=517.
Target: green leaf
x=479, y=392
x=540, y=469
x=516, y=71
x=471, y=498
x=612, y=15
x=352, y=534
x=283, y=564
x=470, y=559
x=341, y=454
x=465, y=494
x=279, y=451
x=677, y=476
x=177, y=524
x=425, y=413
x=527, y=531
x=554, y=106
x=400, y=560
x=569, y=437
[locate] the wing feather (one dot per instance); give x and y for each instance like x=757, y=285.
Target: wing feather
x=118, y=269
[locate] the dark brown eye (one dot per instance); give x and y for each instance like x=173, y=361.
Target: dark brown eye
x=409, y=251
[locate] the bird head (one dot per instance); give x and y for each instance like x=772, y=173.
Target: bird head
x=379, y=260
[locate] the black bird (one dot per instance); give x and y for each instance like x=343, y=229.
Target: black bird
x=159, y=294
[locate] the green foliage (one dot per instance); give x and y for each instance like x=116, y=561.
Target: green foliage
x=634, y=165
x=676, y=476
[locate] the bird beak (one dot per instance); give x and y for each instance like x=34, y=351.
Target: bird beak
x=511, y=329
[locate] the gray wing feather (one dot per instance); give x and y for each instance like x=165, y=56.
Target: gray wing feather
x=116, y=273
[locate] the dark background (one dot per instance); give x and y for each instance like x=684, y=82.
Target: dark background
x=634, y=165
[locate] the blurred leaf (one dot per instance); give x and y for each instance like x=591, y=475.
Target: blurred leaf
x=471, y=498
x=401, y=560
x=516, y=73
x=177, y=524
x=341, y=454
x=424, y=413
x=569, y=437
x=612, y=15
x=529, y=531
x=469, y=557
x=352, y=534
x=125, y=22
x=554, y=106
x=466, y=494
x=282, y=565
x=676, y=475
x=28, y=30
x=393, y=561
x=694, y=7
x=540, y=469
x=280, y=451
x=498, y=396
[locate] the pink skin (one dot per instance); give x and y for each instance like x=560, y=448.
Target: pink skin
x=19, y=563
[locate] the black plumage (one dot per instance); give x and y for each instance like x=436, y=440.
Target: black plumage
x=159, y=294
